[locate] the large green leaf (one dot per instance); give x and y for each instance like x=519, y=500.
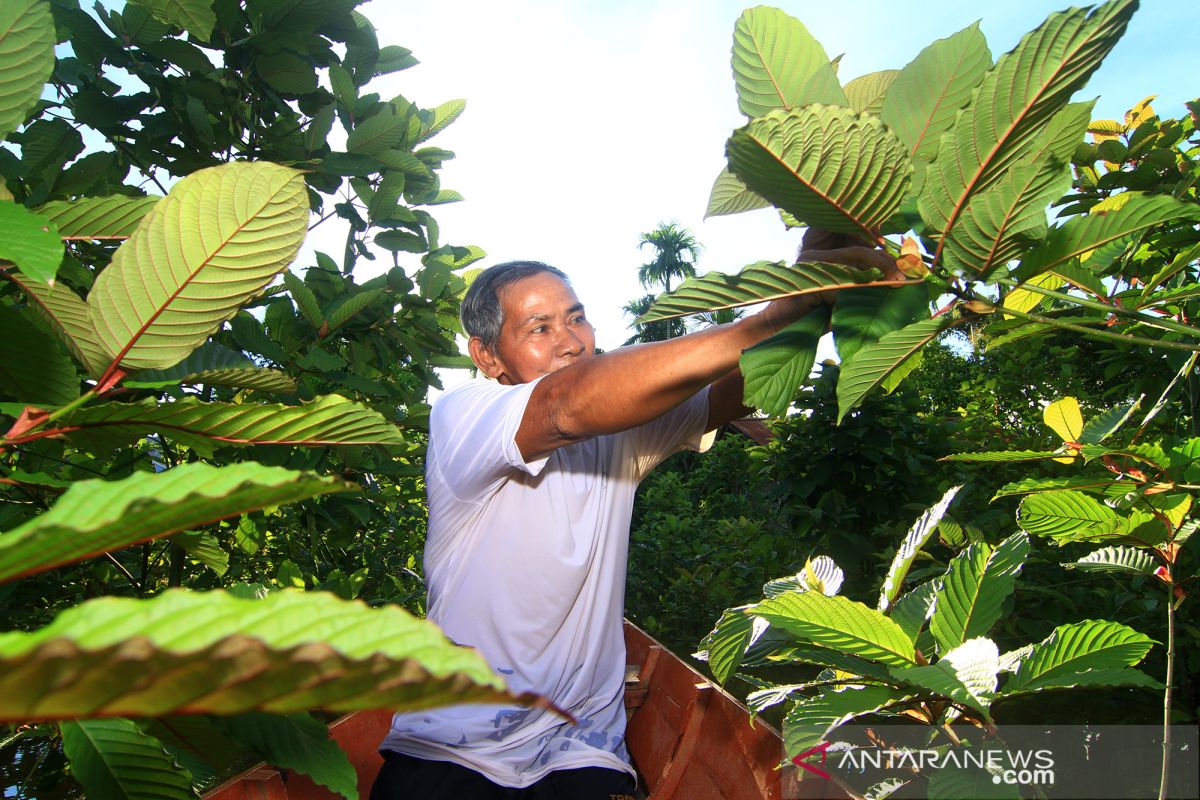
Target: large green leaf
x=838, y=623
x=1079, y=235
x=30, y=241
x=925, y=97
x=1013, y=103
x=872, y=365
x=727, y=642
x=214, y=365
x=197, y=745
x=997, y=456
x=973, y=591
x=775, y=369
x=169, y=288
x=866, y=92
x=1076, y=648
x=98, y=516
x=187, y=652
x=297, y=742
x=194, y=16
x=376, y=134
x=827, y=166
x=26, y=58
x=328, y=420
x=756, y=283
x=115, y=760
x=1121, y=558
x=863, y=316
x=967, y=674
x=69, y=319
x=777, y=64
x=113, y=217
x=730, y=196
x=912, y=609
x=35, y=369
x=916, y=538
x=1034, y=485
x=811, y=720
x=1069, y=516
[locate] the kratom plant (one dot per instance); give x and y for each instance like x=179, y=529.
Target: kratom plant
x=172, y=415
x=921, y=653
x=950, y=163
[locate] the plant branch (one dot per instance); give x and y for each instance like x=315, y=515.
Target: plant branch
x=1125, y=338
x=1164, y=776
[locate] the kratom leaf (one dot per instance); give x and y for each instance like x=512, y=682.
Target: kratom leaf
x=967, y=674
x=27, y=39
x=863, y=316
x=1070, y=516
x=730, y=196
x=305, y=299
x=295, y=742
x=727, y=643
x=756, y=283
x=214, y=365
x=393, y=58
x=194, y=16
x=811, y=720
x=198, y=746
x=113, y=217
x=820, y=574
x=286, y=72
x=912, y=609
x=1013, y=103
x=838, y=623
x=327, y=421
x=827, y=166
x=1034, y=485
x=775, y=59
x=1116, y=559
x=341, y=313
x=254, y=215
x=115, y=760
x=1064, y=418
x=1076, y=647
x=441, y=117
x=30, y=241
x=98, y=516
x=184, y=652
x=774, y=370
x=35, y=368
x=1004, y=455
x=866, y=92
x=1080, y=234
x=925, y=97
x=1026, y=299
x=1103, y=425
x=376, y=134
x=69, y=319
x=204, y=548
x=873, y=363
x=916, y=538
x=974, y=589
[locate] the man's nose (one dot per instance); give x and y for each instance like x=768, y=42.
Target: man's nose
x=569, y=343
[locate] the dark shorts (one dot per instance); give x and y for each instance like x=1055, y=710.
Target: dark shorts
x=404, y=777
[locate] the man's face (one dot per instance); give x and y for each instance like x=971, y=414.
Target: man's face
x=544, y=330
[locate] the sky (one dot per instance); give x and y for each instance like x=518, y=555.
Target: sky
x=588, y=123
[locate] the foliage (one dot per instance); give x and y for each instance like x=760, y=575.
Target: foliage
x=675, y=252
x=176, y=416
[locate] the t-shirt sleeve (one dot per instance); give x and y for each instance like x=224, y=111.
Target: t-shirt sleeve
x=681, y=428
x=473, y=436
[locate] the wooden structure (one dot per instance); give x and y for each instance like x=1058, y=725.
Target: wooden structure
x=689, y=739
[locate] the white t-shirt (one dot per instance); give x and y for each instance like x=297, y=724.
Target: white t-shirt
x=526, y=562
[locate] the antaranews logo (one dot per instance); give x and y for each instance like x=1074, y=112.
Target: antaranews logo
x=1012, y=767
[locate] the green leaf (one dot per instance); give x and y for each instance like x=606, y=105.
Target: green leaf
x=194, y=16
x=827, y=166
x=1079, y=235
x=727, y=642
x=916, y=538
x=376, y=134
x=1034, y=485
x=213, y=365
x=35, y=369
x=167, y=290
x=866, y=92
x=351, y=306
x=775, y=59
x=204, y=548
x=286, y=73
x=305, y=299
x=198, y=746
x=967, y=674
x=838, y=623
x=296, y=742
x=212, y=653
x=820, y=574
x=441, y=117
x=874, y=363
x=925, y=97
x=1075, y=648
x=114, y=760
x=98, y=516
x=912, y=609
x=1116, y=559
x=974, y=589
x=996, y=456
x=756, y=283
x=26, y=58
x=113, y=217
x=863, y=316
x=775, y=369
x=1070, y=516
x=393, y=58
x=68, y=317
x=30, y=241
x=730, y=196
x=809, y=721
x=1012, y=105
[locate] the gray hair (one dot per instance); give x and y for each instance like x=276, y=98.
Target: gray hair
x=480, y=312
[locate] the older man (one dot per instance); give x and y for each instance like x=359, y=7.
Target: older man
x=531, y=479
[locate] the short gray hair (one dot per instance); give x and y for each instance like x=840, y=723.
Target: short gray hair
x=480, y=312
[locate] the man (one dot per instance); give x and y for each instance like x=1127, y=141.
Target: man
x=531, y=479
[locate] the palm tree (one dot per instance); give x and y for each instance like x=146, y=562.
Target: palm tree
x=675, y=254
x=658, y=331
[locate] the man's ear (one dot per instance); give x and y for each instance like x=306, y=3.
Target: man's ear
x=484, y=358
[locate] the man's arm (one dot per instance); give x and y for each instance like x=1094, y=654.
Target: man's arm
x=625, y=388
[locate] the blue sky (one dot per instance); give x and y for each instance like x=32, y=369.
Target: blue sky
x=590, y=122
